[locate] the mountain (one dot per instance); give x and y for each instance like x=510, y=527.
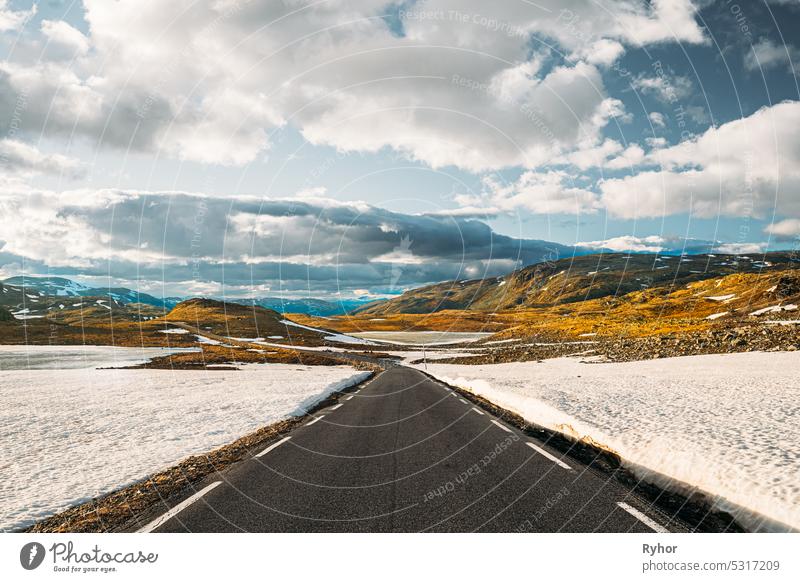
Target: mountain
x=34, y=287
x=48, y=285
x=576, y=279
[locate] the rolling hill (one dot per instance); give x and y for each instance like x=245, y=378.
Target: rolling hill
x=240, y=321
x=574, y=280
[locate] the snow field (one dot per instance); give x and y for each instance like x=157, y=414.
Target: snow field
x=69, y=435
x=727, y=424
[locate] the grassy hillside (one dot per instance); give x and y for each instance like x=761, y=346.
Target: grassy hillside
x=575, y=279
x=637, y=296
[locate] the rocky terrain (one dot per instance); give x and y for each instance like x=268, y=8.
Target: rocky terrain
x=746, y=337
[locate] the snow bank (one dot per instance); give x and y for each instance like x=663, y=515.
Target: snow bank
x=69, y=435
x=728, y=424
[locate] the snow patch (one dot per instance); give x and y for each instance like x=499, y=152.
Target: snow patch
x=775, y=309
x=721, y=297
x=718, y=315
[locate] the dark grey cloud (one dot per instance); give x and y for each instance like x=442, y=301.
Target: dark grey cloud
x=315, y=244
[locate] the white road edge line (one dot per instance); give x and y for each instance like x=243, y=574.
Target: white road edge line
x=655, y=526
x=272, y=446
x=335, y=407
x=544, y=453
x=505, y=428
x=476, y=410
x=159, y=521
x=316, y=419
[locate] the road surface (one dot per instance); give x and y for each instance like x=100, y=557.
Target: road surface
x=406, y=453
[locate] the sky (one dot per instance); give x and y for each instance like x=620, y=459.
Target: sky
x=357, y=148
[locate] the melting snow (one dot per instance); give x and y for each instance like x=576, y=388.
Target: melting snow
x=728, y=424
x=775, y=309
x=722, y=297
x=717, y=315
x=70, y=435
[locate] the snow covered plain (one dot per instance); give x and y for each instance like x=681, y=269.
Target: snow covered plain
x=728, y=424
x=69, y=435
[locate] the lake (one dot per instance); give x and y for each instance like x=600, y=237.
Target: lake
x=75, y=357
x=418, y=338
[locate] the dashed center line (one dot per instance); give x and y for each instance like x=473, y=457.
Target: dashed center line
x=655, y=526
x=505, y=428
x=272, y=446
x=477, y=410
x=349, y=397
x=544, y=453
x=159, y=521
x=335, y=407
x=463, y=401
x=316, y=419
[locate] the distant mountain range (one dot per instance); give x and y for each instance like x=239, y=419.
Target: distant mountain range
x=61, y=287
x=20, y=290
x=308, y=306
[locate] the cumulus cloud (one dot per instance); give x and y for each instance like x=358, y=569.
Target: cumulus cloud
x=551, y=192
x=451, y=83
x=786, y=229
x=747, y=167
x=657, y=119
x=20, y=160
x=11, y=20
x=670, y=245
x=665, y=87
x=766, y=54
x=628, y=243
x=66, y=37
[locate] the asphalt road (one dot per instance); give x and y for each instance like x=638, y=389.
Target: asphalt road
x=405, y=453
